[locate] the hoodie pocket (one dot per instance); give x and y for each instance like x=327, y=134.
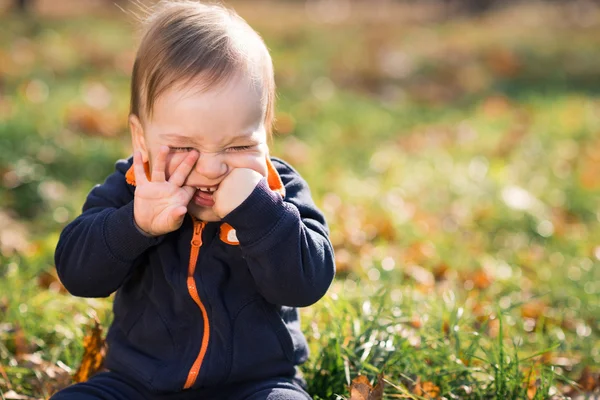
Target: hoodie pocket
x=148, y=333
x=261, y=344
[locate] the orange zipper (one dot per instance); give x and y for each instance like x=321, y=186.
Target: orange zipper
x=191, y=284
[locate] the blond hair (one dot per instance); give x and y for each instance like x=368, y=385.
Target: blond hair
x=186, y=40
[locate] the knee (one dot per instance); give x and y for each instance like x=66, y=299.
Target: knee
x=281, y=394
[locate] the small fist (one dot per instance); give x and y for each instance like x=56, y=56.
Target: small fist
x=234, y=189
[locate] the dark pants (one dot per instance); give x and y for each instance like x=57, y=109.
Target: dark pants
x=111, y=386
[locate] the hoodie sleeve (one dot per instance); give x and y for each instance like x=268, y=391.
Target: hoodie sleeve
x=98, y=250
x=285, y=241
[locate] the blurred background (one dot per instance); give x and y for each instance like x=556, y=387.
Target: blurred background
x=454, y=146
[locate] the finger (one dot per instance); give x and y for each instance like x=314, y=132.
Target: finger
x=189, y=190
x=138, y=169
x=160, y=163
x=183, y=170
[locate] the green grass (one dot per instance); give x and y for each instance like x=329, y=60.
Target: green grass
x=462, y=193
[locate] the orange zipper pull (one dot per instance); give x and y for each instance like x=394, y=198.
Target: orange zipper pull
x=197, y=237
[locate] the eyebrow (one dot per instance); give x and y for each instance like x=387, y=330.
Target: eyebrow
x=177, y=136
x=180, y=137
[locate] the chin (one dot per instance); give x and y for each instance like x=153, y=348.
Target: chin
x=203, y=213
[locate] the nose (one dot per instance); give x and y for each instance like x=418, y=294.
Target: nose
x=211, y=166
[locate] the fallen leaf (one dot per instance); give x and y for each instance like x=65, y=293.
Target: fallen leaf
x=426, y=389
x=21, y=345
x=588, y=381
x=377, y=392
x=440, y=272
x=49, y=280
x=361, y=388
x=533, y=309
x=531, y=391
x=93, y=354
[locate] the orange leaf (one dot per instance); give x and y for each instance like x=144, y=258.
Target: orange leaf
x=361, y=388
x=426, y=389
x=533, y=309
x=93, y=354
x=481, y=280
x=531, y=391
x=587, y=380
x=415, y=322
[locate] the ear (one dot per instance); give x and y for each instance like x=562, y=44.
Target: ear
x=138, y=140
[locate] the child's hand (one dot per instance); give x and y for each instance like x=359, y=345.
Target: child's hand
x=234, y=189
x=159, y=206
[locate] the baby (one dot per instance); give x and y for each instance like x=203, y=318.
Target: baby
x=209, y=243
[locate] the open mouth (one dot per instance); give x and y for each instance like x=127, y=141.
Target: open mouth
x=208, y=190
x=204, y=196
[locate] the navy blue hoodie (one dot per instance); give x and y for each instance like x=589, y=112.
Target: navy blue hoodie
x=211, y=303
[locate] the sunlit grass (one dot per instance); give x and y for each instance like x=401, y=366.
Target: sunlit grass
x=460, y=179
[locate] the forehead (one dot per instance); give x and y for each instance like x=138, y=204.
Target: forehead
x=222, y=109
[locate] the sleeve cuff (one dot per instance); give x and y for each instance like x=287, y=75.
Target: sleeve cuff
x=123, y=238
x=259, y=216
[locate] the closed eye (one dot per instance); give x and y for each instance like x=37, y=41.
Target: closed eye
x=178, y=149
x=239, y=148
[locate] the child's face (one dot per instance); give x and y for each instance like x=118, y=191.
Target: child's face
x=225, y=124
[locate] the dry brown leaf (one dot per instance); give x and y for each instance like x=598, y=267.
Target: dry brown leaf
x=21, y=345
x=49, y=280
x=377, y=392
x=93, y=354
x=361, y=388
x=426, y=389
x=446, y=326
x=440, y=271
x=588, y=381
